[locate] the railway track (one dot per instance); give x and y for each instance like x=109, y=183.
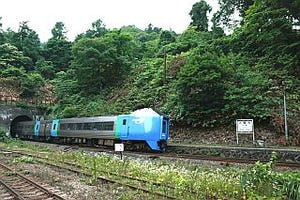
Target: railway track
x=111, y=177
x=136, y=183
x=227, y=160
x=14, y=185
x=198, y=157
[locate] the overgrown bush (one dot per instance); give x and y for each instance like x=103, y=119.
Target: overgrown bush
x=261, y=180
x=3, y=136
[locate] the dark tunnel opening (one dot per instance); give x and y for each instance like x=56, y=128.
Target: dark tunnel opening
x=14, y=122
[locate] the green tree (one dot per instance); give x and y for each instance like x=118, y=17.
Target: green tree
x=10, y=56
x=199, y=15
x=102, y=62
x=247, y=90
x=268, y=31
x=98, y=30
x=13, y=72
x=226, y=15
x=57, y=50
x=31, y=85
x=46, y=69
x=268, y=36
x=27, y=41
x=189, y=39
x=199, y=89
x=2, y=38
x=150, y=29
x=167, y=37
x=59, y=31
x=65, y=86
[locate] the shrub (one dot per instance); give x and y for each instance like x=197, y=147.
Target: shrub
x=3, y=136
x=261, y=180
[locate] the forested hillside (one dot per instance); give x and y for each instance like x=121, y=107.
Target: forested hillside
x=214, y=72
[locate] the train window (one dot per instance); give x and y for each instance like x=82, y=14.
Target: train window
x=87, y=126
x=37, y=127
x=67, y=126
x=124, y=121
x=164, y=128
x=103, y=126
x=54, y=127
x=93, y=126
x=79, y=126
x=62, y=127
x=98, y=125
x=72, y=126
x=109, y=126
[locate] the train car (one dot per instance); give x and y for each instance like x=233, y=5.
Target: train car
x=32, y=129
x=144, y=125
x=25, y=129
x=140, y=127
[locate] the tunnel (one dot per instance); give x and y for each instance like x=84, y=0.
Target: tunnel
x=14, y=122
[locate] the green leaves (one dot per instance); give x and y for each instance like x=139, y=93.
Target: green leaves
x=261, y=180
x=200, y=90
x=31, y=84
x=58, y=52
x=10, y=56
x=199, y=15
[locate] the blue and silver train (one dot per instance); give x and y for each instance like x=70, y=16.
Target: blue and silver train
x=141, y=127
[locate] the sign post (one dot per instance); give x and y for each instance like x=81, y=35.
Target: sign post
x=119, y=148
x=244, y=126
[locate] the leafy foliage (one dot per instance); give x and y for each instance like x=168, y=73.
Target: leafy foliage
x=10, y=56
x=199, y=15
x=262, y=180
x=57, y=50
x=31, y=84
x=3, y=136
x=101, y=62
x=206, y=78
x=199, y=91
x=98, y=30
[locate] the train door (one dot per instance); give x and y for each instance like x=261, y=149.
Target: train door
x=123, y=127
x=37, y=128
x=165, y=129
x=42, y=129
x=54, y=128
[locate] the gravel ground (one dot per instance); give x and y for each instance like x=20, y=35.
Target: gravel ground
x=68, y=184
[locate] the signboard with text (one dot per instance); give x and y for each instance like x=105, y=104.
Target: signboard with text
x=244, y=126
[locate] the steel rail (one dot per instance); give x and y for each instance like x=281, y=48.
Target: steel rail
x=78, y=171
x=13, y=192
x=31, y=182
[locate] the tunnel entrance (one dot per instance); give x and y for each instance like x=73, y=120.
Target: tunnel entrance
x=14, y=122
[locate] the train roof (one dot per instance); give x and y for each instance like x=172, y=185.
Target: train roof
x=145, y=112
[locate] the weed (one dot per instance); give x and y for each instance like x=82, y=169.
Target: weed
x=25, y=159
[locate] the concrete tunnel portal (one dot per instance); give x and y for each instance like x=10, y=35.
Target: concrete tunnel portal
x=10, y=116
x=14, y=122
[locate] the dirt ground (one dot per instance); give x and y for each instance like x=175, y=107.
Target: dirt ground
x=69, y=185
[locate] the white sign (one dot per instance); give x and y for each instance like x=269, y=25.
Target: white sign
x=244, y=125
x=119, y=147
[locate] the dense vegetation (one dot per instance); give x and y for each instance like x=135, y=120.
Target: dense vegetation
x=203, y=77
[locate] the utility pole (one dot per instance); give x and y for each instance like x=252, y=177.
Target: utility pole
x=165, y=72
x=165, y=66
x=285, y=112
